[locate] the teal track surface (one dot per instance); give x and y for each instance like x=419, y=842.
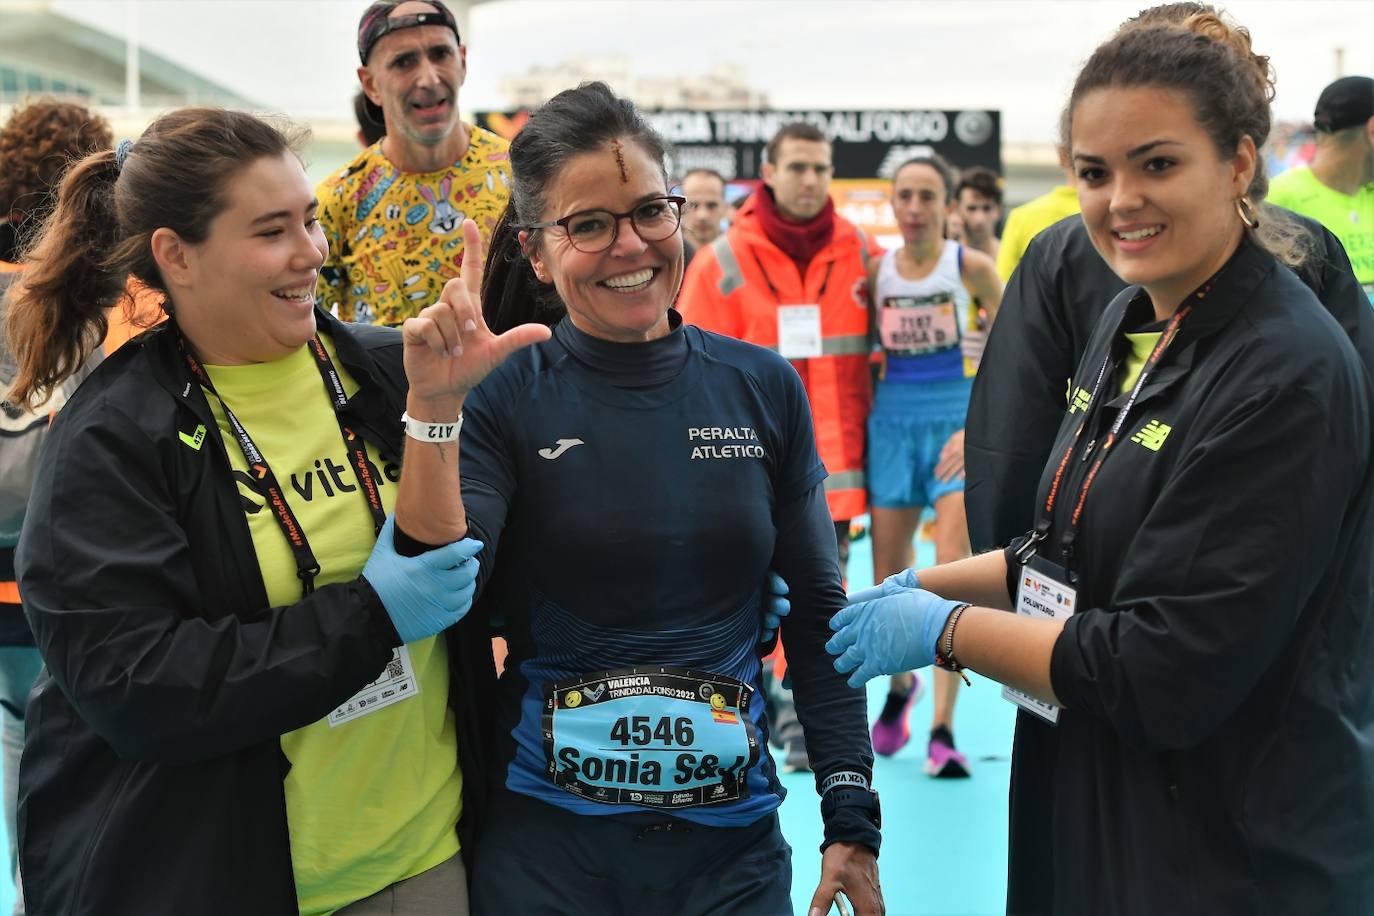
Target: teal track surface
x=944, y=841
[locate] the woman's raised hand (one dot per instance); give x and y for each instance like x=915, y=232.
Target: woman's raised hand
x=448, y=346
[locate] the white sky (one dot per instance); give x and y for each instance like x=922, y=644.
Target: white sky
x=1019, y=56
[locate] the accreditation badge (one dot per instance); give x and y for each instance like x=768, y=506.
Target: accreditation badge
x=1041, y=594
x=654, y=736
x=799, y=331
x=397, y=682
x=918, y=325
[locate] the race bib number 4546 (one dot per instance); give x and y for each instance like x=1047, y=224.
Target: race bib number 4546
x=656, y=736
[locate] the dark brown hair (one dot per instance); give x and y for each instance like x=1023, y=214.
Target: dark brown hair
x=797, y=130
x=981, y=180
x=574, y=122
x=937, y=164
x=37, y=144
x=100, y=232
x=1228, y=85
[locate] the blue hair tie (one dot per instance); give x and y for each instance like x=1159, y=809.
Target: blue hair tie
x=122, y=153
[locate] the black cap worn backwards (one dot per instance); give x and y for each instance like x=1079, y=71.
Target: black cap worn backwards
x=377, y=21
x=1345, y=103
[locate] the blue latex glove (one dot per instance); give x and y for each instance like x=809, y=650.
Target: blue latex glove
x=775, y=605
x=427, y=594
x=888, y=635
x=897, y=583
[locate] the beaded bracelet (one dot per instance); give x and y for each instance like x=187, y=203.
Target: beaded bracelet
x=946, y=659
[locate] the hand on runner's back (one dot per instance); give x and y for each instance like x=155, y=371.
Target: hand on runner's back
x=448, y=347
x=427, y=594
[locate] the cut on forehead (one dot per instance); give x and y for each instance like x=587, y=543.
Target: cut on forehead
x=618, y=173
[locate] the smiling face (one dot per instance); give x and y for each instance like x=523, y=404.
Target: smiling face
x=622, y=293
x=919, y=200
x=1158, y=199
x=246, y=294
x=413, y=75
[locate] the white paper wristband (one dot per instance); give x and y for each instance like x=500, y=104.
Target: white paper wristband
x=432, y=432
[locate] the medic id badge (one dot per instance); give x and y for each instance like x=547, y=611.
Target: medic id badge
x=1042, y=595
x=653, y=736
x=799, y=332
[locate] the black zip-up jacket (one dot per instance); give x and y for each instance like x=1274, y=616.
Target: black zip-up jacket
x=152, y=776
x=1048, y=312
x=1216, y=749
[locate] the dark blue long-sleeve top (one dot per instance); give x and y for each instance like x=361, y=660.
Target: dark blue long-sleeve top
x=632, y=498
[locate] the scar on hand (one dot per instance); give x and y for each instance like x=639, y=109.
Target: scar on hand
x=620, y=161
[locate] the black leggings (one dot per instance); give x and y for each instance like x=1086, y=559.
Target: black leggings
x=535, y=859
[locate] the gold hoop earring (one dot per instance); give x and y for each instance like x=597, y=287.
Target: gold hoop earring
x=1248, y=214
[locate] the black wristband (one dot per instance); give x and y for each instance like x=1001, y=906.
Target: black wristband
x=852, y=815
x=408, y=546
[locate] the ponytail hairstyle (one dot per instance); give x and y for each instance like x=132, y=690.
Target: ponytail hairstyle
x=1229, y=86
x=572, y=123
x=100, y=231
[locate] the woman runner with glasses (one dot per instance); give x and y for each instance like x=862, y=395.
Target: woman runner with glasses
x=634, y=480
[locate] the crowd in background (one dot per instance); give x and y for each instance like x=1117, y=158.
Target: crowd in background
x=944, y=388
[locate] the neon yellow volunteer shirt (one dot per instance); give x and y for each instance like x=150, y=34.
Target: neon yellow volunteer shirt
x=1030, y=219
x=1350, y=219
x=373, y=800
x=1142, y=344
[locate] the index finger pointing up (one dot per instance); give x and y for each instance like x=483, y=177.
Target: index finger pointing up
x=474, y=259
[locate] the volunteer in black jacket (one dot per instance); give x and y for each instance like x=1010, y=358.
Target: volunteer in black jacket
x=1055, y=298
x=1051, y=304
x=232, y=719
x=1192, y=646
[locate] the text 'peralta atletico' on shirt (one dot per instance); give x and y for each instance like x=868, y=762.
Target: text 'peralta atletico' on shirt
x=744, y=286
x=632, y=498
x=395, y=238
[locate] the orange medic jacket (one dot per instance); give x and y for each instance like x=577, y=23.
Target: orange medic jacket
x=735, y=286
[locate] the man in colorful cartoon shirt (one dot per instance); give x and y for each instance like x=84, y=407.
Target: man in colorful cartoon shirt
x=394, y=215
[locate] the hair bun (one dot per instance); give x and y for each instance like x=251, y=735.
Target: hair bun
x=1212, y=27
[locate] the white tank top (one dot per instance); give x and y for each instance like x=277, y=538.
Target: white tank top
x=920, y=322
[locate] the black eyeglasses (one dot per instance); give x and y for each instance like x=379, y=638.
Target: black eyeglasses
x=591, y=231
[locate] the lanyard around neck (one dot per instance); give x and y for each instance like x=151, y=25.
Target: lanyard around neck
x=1071, y=531
x=307, y=567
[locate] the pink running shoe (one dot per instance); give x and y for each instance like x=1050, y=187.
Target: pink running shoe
x=942, y=760
x=892, y=731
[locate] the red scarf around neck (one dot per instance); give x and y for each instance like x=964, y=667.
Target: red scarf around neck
x=799, y=241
